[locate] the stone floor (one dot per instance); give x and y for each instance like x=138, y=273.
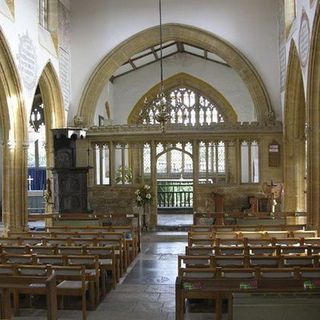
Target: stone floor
x=146, y=291
x=175, y=219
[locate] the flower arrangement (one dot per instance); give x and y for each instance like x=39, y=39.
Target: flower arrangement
x=127, y=172
x=143, y=195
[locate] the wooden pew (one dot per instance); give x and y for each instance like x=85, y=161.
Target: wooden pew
x=219, y=284
x=47, y=285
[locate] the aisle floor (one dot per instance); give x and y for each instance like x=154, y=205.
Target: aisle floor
x=146, y=292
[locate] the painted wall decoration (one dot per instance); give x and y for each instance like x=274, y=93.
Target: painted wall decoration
x=27, y=61
x=304, y=39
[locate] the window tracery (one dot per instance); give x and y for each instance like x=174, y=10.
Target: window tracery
x=187, y=107
x=250, y=162
x=212, y=162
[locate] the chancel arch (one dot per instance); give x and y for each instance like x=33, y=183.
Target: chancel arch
x=294, y=136
x=190, y=92
x=14, y=134
x=313, y=130
x=174, y=32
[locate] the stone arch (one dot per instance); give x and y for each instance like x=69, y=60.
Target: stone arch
x=294, y=135
x=53, y=106
x=53, y=113
x=174, y=148
x=184, y=79
x=13, y=120
x=174, y=32
x=313, y=121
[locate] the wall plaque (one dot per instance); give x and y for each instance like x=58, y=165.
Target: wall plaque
x=274, y=154
x=27, y=61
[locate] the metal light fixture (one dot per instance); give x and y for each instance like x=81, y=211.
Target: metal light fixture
x=162, y=102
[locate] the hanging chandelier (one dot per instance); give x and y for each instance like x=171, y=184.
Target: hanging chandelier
x=161, y=102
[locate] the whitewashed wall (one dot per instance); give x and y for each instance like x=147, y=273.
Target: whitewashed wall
x=298, y=33
x=107, y=95
x=19, y=29
x=129, y=88
x=250, y=25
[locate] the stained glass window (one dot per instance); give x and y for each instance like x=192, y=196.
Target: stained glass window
x=187, y=107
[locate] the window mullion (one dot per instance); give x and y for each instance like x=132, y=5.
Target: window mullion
x=249, y=162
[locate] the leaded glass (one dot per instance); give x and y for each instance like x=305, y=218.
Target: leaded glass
x=162, y=164
x=176, y=161
x=42, y=154
x=123, y=171
x=31, y=156
x=212, y=159
x=202, y=157
x=255, y=162
x=221, y=157
x=187, y=107
x=147, y=158
x=102, y=159
x=250, y=162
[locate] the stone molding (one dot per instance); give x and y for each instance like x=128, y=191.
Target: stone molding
x=215, y=128
x=175, y=32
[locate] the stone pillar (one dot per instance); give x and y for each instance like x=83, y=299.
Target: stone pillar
x=15, y=216
x=232, y=162
x=294, y=172
x=153, y=207
x=195, y=152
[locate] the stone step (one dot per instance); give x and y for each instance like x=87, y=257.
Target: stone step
x=184, y=228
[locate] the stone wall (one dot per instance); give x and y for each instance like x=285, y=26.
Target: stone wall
x=121, y=199
x=113, y=199
x=235, y=196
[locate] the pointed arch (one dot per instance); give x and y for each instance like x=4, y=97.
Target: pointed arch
x=313, y=121
x=184, y=79
x=13, y=120
x=181, y=33
x=54, y=114
x=53, y=106
x=294, y=135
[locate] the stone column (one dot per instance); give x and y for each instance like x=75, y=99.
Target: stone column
x=153, y=207
x=294, y=172
x=15, y=216
x=195, y=152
